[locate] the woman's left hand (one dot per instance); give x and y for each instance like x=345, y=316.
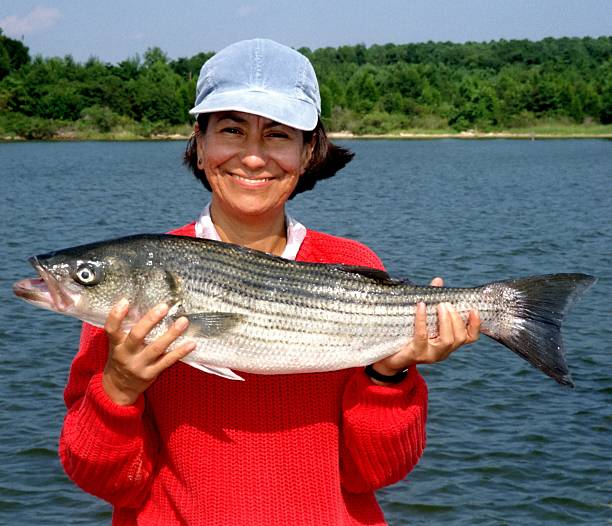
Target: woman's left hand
x=452, y=334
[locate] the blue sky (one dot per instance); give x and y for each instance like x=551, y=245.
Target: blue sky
x=113, y=30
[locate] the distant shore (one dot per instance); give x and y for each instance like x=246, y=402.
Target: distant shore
x=577, y=132
x=472, y=135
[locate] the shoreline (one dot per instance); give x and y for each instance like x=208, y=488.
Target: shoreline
x=343, y=135
x=475, y=135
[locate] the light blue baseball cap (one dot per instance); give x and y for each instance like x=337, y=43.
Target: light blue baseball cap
x=262, y=77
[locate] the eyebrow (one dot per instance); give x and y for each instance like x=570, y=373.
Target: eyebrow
x=229, y=115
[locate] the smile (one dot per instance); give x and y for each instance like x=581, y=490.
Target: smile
x=252, y=182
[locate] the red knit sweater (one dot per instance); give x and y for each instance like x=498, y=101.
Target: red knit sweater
x=304, y=449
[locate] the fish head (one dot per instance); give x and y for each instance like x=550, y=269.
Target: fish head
x=86, y=281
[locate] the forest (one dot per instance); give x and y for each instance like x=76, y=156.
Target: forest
x=501, y=85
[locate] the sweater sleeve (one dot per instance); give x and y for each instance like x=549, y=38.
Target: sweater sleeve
x=383, y=433
x=106, y=449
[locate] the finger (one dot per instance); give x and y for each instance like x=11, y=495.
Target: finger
x=161, y=344
x=437, y=282
x=421, y=333
x=139, y=332
x=414, y=351
x=473, y=326
x=445, y=326
x=115, y=318
x=460, y=335
x=173, y=356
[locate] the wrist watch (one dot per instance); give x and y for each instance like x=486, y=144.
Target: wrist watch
x=386, y=378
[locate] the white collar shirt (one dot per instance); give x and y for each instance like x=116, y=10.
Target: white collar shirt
x=296, y=232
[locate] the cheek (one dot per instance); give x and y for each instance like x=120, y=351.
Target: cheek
x=213, y=155
x=293, y=161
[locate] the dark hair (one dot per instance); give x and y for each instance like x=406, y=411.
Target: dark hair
x=326, y=159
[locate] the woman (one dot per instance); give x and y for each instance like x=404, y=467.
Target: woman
x=167, y=444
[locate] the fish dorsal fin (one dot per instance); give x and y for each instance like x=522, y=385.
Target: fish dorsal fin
x=209, y=324
x=371, y=273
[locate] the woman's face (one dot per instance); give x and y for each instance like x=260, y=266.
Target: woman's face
x=252, y=163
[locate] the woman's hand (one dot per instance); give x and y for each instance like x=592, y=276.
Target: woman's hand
x=132, y=366
x=452, y=334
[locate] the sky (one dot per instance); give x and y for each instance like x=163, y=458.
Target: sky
x=114, y=30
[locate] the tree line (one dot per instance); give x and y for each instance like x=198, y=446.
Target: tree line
x=495, y=85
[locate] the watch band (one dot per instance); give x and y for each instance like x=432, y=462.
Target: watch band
x=388, y=379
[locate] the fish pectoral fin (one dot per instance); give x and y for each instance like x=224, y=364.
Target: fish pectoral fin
x=207, y=324
x=223, y=372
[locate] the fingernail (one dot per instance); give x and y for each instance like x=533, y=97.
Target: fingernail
x=181, y=323
x=122, y=304
x=188, y=347
x=162, y=308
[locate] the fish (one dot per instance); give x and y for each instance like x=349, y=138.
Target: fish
x=258, y=313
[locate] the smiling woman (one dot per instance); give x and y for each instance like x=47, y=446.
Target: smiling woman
x=167, y=444
x=253, y=165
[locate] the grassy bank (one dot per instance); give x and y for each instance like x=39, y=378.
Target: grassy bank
x=545, y=129
x=20, y=127
x=536, y=132
x=39, y=129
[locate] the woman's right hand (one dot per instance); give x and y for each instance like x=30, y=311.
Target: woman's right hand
x=132, y=365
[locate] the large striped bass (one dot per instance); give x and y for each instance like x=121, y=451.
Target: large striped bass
x=254, y=312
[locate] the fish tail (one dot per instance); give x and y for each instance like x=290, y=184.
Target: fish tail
x=532, y=327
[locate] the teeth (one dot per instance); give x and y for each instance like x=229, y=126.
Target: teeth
x=253, y=181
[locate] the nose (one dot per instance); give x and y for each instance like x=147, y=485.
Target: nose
x=254, y=154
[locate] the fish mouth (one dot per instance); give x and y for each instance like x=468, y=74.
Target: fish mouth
x=45, y=291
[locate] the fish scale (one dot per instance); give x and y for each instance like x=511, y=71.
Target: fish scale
x=258, y=313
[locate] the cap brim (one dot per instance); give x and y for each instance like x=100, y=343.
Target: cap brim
x=298, y=114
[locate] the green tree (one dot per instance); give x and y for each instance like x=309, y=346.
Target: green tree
x=327, y=102
x=13, y=55
x=100, y=117
x=154, y=55
x=5, y=62
x=155, y=94
x=605, y=114
x=475, y=84
x=189, y=68
x=477, y=105
x=362, y=92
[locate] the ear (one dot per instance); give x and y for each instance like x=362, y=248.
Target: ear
x=307, y=154
x=199, y=146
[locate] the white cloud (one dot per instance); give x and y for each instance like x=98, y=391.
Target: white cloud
x=38, y=19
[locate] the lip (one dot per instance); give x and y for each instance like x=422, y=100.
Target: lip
x=34, y=290
x=44, y=290
x=251, y=182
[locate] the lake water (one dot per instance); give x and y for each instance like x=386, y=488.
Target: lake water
x=506, y=445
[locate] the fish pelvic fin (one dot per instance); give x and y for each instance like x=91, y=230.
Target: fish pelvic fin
x=223, y=372
x=533, y=327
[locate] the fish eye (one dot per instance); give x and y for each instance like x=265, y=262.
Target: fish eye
x=87, y=274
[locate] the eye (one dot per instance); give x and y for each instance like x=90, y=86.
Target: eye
x=231, y=130
x=87, y=274
x=278, y=134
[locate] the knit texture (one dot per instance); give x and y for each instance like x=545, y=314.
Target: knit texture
x=197, y=449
